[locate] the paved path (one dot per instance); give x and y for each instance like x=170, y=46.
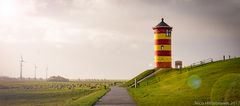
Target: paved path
x=117, y=96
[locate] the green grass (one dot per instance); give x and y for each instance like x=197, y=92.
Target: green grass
x=139, y=77
x=226, y=88
x=53, y=97
x=27, y=93
x=213, y=82
x=90, y=99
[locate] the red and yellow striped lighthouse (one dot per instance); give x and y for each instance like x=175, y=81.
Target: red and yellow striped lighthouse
x=162, y=47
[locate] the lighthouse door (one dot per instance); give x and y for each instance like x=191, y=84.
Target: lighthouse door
x=162, y=47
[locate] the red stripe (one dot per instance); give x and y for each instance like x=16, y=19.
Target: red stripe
x=159, y=30
x=162, y=53
x=163, y=42
x=163, y=64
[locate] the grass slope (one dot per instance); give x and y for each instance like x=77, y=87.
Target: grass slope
x=217, y=82
x=139, y=77
x=90, y=99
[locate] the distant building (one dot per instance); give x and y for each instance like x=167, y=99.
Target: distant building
x=57, y=79
x=162, y=47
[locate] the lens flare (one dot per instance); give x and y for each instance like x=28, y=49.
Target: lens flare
x=194, y=81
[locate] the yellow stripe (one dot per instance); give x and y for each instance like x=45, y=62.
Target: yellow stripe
x=165, y=47
x=161, y=36
x=162, y=58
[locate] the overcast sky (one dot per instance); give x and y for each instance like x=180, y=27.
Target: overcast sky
x=111, y=39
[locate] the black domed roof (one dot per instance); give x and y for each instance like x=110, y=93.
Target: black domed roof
x=162, y=24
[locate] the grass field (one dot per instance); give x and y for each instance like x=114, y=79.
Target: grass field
x=50, y=93
x=90, y=99
x=216, y=83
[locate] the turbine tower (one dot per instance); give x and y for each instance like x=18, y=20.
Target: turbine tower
x=46, y=72
x=35, y=71
x=21, y=66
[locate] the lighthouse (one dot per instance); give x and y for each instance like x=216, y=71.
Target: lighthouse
x=162, y=46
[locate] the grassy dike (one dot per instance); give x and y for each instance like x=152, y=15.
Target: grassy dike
x=139, y=77
x=217, y=83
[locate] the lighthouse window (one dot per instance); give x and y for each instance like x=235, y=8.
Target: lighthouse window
x=162, y=47
x=168, y=33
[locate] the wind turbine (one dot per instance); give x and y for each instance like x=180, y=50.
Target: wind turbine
x=21, y=66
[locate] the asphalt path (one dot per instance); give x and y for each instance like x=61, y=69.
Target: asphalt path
x=117, y=96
